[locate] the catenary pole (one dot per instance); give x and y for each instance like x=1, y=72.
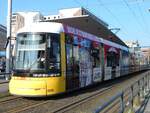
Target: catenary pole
x=8, y=48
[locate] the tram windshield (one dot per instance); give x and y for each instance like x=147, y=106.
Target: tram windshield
x=30, y=52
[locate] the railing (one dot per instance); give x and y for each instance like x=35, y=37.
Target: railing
x=131, y=99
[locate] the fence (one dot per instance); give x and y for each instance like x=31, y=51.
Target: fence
x=131, y=100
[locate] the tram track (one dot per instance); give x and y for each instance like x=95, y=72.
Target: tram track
x=8, y=98
x=23, y=104
x=68, y=106
x=78, y=102
x=29, y=105
x=16, y=104
x=51, y=105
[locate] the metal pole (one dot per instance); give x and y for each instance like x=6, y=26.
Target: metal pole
x=8, y=49
x=122, y=103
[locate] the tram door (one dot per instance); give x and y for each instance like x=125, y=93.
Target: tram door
x=72, y=64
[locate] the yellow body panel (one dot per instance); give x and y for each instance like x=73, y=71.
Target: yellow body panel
x=28, y=86
x=63, y=56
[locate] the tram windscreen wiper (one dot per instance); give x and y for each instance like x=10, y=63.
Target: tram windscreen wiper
x=35, y=61
x=38, y=63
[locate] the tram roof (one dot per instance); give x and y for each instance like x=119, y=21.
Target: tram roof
x=91, y=25
x=44, y=27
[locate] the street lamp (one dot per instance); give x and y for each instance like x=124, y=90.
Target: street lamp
x=8, y=48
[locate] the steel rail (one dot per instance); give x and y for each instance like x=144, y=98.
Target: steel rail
x=33, y=105
x=78, y=102
x=8, y=99
x=26, y=107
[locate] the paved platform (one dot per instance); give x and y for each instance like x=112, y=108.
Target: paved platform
x=3, y=81
x=3, y=85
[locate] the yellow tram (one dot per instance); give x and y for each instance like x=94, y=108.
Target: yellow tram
x=52, y=58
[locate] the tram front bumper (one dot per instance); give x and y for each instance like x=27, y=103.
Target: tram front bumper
x=27, y=88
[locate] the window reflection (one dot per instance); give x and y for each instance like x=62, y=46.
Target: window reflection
x=53, y=51
x=28, y=51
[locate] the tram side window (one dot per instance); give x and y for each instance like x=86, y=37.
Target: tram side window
x=72, y=55
x=95, y=52
x=109, y=59
x=53, y=52
x=76, y=59
x=112, y=59
x=69, y=54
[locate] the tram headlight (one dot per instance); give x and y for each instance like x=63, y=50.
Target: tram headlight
x=40, y=75
x=46, y=75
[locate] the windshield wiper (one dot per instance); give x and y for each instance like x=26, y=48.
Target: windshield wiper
x=35, y=61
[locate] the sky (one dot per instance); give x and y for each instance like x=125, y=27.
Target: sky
x=131, y=16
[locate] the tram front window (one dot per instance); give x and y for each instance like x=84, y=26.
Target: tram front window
x=53, y=54
x=30, y=52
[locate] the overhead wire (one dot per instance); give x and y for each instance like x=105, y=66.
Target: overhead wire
x=135, y=17
x=124, y=30
x=143, y=18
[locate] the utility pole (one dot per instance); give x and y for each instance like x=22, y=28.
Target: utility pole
x=8, y=48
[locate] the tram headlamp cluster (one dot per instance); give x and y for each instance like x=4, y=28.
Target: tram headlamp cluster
x=40, y=75
x=45, y=75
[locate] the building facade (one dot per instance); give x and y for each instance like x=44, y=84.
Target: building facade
x=20, y=19
x=135, y=50
x=74, y=12
x=142, y=54
x=3, y=38
x=146, y=54
x=17, y=23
